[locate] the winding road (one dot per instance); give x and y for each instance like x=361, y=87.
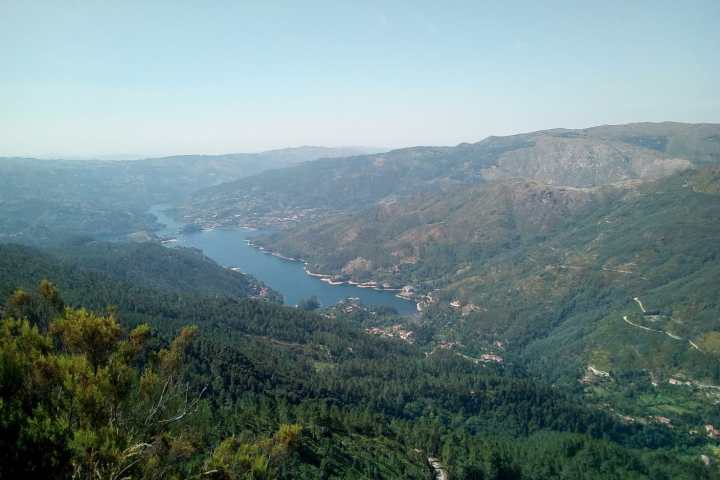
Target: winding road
x=671, y=335
x=640, y=303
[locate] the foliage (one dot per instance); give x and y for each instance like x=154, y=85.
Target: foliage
x=309, y=304
x=79, y=393
x=550, y=273
x=240, y=397
x=180, y=270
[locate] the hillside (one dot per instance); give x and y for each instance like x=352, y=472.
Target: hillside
x=549, y=275
x=410, y=241
x=151, y=265
x=576, y=158
x=276, y=393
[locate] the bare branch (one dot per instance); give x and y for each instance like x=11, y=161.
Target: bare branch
x=159, y=403
x=187, y=409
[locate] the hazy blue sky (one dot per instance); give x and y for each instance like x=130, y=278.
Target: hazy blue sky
x=146, y=78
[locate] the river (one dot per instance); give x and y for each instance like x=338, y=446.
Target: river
x=229, y=248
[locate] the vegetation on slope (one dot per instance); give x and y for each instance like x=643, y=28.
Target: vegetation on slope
x=551, y=274
x=577, y=158
x=273, y=392
x=151, y=265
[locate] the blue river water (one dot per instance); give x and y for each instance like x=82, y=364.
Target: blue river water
x=229, y=248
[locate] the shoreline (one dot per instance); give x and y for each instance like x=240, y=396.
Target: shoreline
x=330, y=279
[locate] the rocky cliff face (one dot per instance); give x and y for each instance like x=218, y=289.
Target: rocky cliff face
x=583, y=161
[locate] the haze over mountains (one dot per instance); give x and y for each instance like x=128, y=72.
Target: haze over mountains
x=110, y=198
x=577, y=158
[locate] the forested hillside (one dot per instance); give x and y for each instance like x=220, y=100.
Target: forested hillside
x=620, y=279
x=258, y=390
x=152, y=265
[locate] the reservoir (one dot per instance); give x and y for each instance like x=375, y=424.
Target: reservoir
x=229, y=248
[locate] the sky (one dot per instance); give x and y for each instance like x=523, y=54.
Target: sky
x=125, y=79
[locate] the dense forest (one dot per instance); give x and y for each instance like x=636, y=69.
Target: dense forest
x=111, y=379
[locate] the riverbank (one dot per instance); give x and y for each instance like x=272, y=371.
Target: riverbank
x=405, y=293
x=329, y=279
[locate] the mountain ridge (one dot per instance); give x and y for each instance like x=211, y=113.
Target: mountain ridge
x=41, y=200
x=587, y=157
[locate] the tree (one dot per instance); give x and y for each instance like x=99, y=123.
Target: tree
x=77, y=393
x=309, y=304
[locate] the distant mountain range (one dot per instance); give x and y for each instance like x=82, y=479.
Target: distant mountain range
x=577, y=158
x=166, y=178
x=42, y=199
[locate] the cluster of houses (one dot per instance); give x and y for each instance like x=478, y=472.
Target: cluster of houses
x=394, y=331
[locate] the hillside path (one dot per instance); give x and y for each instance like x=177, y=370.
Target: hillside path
x=640, y=303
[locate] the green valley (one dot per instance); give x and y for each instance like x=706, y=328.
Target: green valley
x=256, y=390
x=245, y=240
x=568, y=324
